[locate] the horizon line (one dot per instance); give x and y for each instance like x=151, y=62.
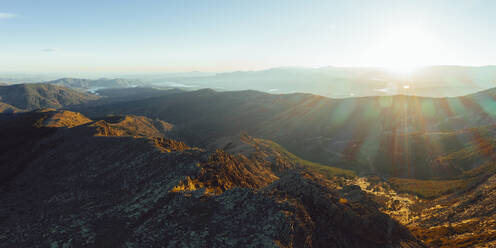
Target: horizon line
x=166, y=71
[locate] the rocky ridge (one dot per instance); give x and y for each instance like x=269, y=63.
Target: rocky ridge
x=92, y=185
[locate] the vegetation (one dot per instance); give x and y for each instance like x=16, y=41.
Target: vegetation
x=426, y=188
x=452, y=235
x=325, y=170
x=36, y=96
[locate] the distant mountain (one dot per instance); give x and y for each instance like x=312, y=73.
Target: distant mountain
x=342, y=82
x=135, y=93
x=70, y=181
x=3, y=84
x=35, y=96
x=354, y=133
x=89, y=84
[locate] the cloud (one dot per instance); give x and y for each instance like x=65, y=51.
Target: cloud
x=4, y=15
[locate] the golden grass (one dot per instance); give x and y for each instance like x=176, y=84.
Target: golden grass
x=427, y=188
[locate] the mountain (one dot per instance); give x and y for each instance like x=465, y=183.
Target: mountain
x=89, y=84
x=84, y=182
x=207, y=168
x=343, y=82
x=34, y=96
x=135, y=93
x=353, y=133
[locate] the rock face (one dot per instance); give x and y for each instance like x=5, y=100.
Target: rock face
x=91, y=185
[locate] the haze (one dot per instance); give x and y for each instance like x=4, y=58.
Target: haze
x=217, y=36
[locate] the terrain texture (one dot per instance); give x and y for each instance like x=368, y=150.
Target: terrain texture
x=120, y=182
x=144, y=167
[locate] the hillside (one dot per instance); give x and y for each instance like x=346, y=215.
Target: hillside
x=354, y=133
x=85, y=183
x=35, y=96
x=6, y=108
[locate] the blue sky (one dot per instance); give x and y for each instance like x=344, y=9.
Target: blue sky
x=146, y=36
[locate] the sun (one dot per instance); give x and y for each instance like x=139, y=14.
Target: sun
x=403, y=48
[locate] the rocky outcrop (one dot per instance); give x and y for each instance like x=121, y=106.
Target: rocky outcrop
x=63, y=118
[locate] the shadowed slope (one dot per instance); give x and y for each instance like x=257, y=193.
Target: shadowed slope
x=80, y=188
x=390, y=135
x=35, y=96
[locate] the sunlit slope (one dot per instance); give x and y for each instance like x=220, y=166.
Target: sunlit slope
x=7, y=108
x=272, y=151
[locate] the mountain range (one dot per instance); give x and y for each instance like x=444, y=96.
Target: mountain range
x=334, y=82
x=342, y=132
x=343, y=82
x=147, y=167
x=94, y=84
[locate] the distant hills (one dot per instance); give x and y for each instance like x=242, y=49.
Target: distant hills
x=334, y=82
x=422, y=131
x=35, y=96
x=354, y=133
x=342, y=82
x=89, y=84
x=135, y=93
x=25, y=97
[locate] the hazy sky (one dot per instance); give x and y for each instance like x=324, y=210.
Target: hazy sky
x=97, y=35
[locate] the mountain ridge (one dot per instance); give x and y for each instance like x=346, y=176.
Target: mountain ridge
x=90, y=84
x=98, y=188
x=35, y=96
x=320, y=129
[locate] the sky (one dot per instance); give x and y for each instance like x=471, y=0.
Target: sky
x=217, y=35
